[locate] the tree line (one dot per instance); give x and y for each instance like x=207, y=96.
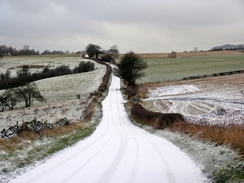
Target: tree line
x=91, y=50
x=10, y=51
x=22, y=88
x=241, y=48
x=107, y=55
x=24, y=76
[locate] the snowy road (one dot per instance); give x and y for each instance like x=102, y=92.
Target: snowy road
x=117, y=152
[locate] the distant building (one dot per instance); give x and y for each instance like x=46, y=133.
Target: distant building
x=172, y=55
x=84, y=55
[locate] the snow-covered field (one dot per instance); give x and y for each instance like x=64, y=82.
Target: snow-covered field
x=117, y=151
x=214, y=100
x=60, y=92
x=37, y=63
x=199, y=100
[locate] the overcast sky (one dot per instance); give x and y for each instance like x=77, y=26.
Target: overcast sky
x=141, y=26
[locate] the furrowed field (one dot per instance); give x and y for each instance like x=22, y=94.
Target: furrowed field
x=199, y=100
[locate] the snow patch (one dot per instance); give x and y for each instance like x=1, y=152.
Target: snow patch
x=172, y=90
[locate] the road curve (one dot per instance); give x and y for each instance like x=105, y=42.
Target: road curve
x=117, y=152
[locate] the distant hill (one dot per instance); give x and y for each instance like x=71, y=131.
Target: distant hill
x=228, y=47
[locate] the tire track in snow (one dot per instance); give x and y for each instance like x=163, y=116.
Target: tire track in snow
x=169, y=171
x=82, y=166
x=136, y=164
x=135, y=168
x=54, y=167
x=72, y=156
x=123, y=118
x=123, y=128
x=121, y=152
x=107, y=175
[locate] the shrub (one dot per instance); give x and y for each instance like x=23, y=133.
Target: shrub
x=131, y=68
x=84, y=67
x=108, y=58
x=155, y=119
x=2, y=76
x=62, y=70
x=131, y=91
x=45, y=69
x=23, y=78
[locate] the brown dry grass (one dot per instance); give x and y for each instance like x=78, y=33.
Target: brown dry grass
x=62, y=130
x=28, y=136
x=17, y=142
x=232, y=135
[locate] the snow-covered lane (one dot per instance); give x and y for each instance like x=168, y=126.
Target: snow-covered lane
x=117, y=152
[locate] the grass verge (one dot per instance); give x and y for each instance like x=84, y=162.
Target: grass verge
x=24, y=150
x=72, y=139
x=232, y=135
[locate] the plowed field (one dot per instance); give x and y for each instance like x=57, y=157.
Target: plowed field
x=216, y=100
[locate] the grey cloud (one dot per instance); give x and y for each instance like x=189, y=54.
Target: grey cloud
x=140, y=25
x=186, y=12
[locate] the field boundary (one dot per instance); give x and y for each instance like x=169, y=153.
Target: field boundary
x=228, y=73
x=231, y=135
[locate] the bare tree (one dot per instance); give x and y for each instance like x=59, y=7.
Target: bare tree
x=8, y=100
x=114, y=51
x=26, y=47
x=28, y=93
x=111, y=54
